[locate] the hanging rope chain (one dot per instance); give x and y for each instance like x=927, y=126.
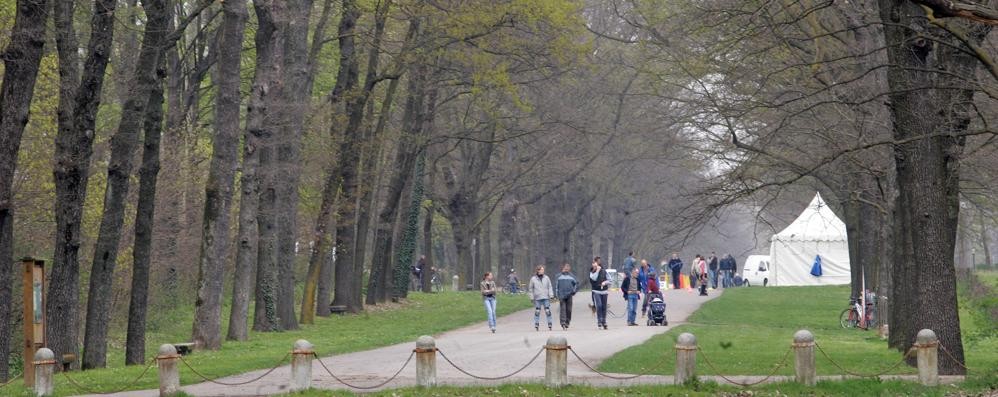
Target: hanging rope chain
x=405, y=364
x=492, y=378
x=780, y=364
x=11, y=380
x=876, y=375
x=603, y=374
x=126, y=387
x=217, y=382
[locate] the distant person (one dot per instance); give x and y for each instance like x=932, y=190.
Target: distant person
x=629, y=263
x=701, y=266
x=675, y=268
x=599, y=285
x=540, y=290
x=488, y=287
x=565, y=287
x=712, y=270
x=512, y=282
x=646, y=273
x=415, y=282
x=632, y=291
x=728, y=266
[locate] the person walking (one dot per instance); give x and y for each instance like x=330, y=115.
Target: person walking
x=631, y=288
x=701, y=266
x=565, y=288
x=629, y=264
x=541, y=292
x=646, y=273
x=712, y=270
x=512, y=282
x=728, y=266
x=675, y=267
x=599, y=285
x=415, y=282
x=488, y=288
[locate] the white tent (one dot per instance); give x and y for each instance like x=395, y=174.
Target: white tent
x=816, y=232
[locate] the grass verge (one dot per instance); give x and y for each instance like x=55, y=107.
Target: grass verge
x=748, y=330
x=422, y=314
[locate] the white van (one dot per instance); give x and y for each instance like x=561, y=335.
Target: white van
x=756, y=270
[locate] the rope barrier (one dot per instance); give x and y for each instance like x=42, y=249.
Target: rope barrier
x=217, y=382
x=11, y=380
x=950, y=355
x=772, y=373
x=461, y=370
x=876, y=375
x=627, y=377
x=126, y=387
x=405, y=364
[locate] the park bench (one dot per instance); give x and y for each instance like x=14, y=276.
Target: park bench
x=184, y=349
x=337, y=309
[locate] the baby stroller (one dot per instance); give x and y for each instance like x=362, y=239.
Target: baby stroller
x=656, y=310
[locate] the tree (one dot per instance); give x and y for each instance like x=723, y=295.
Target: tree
x=119, y=172
x=74, y=146
x=21, y=59
x=207, y=333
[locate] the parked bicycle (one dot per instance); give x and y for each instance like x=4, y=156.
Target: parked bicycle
x=850, y=317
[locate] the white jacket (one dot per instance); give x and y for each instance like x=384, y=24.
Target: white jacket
x=540, y=288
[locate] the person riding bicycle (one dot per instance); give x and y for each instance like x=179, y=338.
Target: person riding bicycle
x=513, y=282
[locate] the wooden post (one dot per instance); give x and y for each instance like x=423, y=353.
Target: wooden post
x=301, y=365
x=804, y=358
x=44, y=363
x=686, y=358
x=927, y=345
x=556, y=362
x=426, y=361
x=169, y=372
x=34, y=313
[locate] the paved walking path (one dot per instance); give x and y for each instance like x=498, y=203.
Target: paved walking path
x=478, y=351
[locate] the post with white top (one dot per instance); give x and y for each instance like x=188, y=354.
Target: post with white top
x=426, y=361
x=927, y=345
x=804, y=368
x=301, y=365
x=169, y=372
x=686, y=358
x=44, y=363
x=454, y=283
x=556, y=362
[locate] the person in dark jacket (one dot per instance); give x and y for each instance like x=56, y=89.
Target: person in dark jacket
x=565, y=288
x=675, y=268
x=631, y=288
x=600, y=286
x=646, y=274
x=728, y=266
x=712, y=270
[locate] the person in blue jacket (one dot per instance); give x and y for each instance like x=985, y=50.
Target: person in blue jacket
x=675, y=268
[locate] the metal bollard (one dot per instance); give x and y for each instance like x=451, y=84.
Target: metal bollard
x=44, y=372
x=301, y=365
x=806, y=373
x=426, y=361
x=169, y=372
x=686, y=358
x=928, y=357
x=556, y=362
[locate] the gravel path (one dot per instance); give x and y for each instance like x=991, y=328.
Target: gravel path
x=479, y=352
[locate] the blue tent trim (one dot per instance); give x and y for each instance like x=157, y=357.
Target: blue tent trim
x=816, y=268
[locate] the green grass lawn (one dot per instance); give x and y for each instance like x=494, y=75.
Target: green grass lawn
x=422, y=314
x=748, y=330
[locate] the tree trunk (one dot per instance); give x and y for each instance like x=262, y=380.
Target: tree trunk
x=144, y=220
x=207, y=330
x=21, y=59
x=348, y=281
x=74, y=146
x=257, y=110
x=379, y=282
x=119, y=172
x=318, y=259
x=928, y=171
x=507, y=233
x=294, y=109
x=267, y=317
x=428, y=240
x=410, y=230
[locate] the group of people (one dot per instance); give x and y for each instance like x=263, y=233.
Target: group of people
x=639, y=280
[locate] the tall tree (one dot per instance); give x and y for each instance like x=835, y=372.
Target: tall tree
x=74, y=146
x=207, y=333
x=119, y=173
x=21, y=59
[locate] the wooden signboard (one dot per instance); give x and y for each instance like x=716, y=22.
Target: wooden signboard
x=34, y=314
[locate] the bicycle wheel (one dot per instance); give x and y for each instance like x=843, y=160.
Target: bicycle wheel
x=847, y=319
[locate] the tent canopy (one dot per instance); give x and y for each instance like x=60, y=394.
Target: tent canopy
x=816, y=232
